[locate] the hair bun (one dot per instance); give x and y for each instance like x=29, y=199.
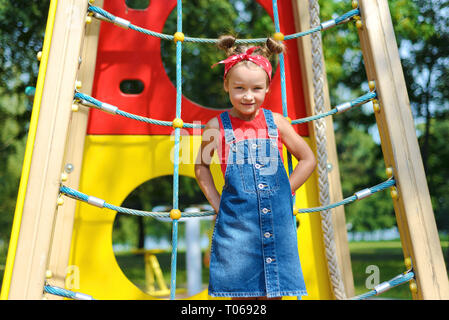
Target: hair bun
x=274, y=47
x=226, y=43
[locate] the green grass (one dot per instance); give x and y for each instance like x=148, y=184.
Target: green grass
x=386, y=255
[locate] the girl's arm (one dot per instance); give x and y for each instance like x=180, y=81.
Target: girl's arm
x=202, y=165
x=299, y=148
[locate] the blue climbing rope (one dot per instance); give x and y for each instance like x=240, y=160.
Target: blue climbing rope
x=92, y=102
x=57, y=291
x=387, y=285
x=176, y=158
x=339, y=108
x=77, y=195
x=102, y=14
x=356, y=196
x=283, y=86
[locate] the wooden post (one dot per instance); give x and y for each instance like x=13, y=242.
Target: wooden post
x=414, y=213
x=62, y=235
x=40, y=201
x=302, y=21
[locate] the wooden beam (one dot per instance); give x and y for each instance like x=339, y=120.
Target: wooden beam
x=413, y=208
x=34, y=239
x=73, y=156
x=302, y=21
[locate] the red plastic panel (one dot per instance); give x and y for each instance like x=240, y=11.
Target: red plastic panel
x=127, y=54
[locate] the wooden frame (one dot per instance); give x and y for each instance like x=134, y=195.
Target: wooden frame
x=40, y=201
x=62, y=234
x=413, y=208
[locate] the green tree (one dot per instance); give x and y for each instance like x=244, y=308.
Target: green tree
x=421, y=33
x=22, y=25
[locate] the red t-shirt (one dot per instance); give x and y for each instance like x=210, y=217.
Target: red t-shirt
x=253, y=129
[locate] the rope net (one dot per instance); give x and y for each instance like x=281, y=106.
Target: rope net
x=177, y=124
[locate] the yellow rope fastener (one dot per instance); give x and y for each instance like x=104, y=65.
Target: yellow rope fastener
x=389, y=172
x=39, y=56
x=355, y=4
x=60, y=201
x=358, y=22
x=413, y=286
x=48, y=274
x=178, y=36
x=178, y=123
x=175, y=214
x=408, y=263
x=376, y=105
x=372, y=85
x=278, y=36
x=394, y=193
x=289, y=120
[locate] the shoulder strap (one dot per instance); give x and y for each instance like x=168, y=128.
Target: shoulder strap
x=227, y=126
x=271, y=125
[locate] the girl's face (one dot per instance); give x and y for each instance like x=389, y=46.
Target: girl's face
x=247, y=86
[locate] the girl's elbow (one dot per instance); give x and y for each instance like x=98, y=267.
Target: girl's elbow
x=197, y=170
x=313, y=163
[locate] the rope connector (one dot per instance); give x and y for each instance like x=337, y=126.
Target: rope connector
x=178, y=36
x=278, y=36
x=178, y=123
x=108, y=108
x=82, y=296
x=120, y=22
x=363, y=193
x=328, y=24
x=175, y=214
x=96, y=201
x=343, y=107
x=98, y=16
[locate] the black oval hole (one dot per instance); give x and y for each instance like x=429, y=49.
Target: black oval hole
x=137, y=4
x=131, y=86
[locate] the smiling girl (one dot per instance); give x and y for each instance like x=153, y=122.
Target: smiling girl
x=254, y=250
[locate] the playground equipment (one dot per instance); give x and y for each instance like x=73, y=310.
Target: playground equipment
x=70, y=148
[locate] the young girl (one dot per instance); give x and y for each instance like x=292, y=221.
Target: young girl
x=254, y=250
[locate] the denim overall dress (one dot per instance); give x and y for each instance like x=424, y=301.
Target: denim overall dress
x=254, y=245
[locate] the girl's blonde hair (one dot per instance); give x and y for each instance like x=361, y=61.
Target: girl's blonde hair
x=270, y=48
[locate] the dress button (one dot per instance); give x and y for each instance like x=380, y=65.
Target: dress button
x=268, y=260
x=254, y=146
x=267, y=234
x=260, y=185
x=257, y=166
x=265, y=210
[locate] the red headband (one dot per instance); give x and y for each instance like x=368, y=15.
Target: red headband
x=257, y=59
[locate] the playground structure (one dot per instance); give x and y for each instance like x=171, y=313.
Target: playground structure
x=70, y=148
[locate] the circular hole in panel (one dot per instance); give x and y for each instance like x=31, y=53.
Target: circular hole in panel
x=131, y=86
x=137, y=4
x=142, y=245
x=210, y=19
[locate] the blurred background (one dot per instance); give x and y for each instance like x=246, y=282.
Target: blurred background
x=422, y=33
